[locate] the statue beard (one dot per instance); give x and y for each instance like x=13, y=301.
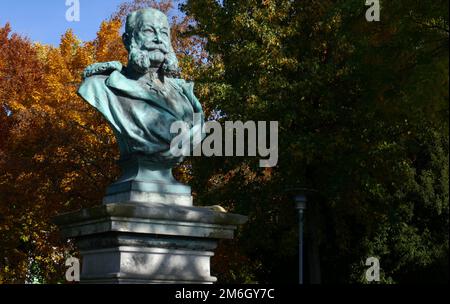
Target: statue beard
x=148, y=57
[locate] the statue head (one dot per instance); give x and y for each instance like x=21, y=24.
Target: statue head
x=147, y=40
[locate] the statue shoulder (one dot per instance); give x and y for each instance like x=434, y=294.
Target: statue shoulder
x=102, y=68
x=93, y=88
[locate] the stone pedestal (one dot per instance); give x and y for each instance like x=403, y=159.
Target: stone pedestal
x=147, y=243
x=147, y=230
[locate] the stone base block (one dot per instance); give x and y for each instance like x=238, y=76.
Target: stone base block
x=151, y=264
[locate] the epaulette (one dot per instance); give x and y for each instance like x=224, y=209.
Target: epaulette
x=102, y=68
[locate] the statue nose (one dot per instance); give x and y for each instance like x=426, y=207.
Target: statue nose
x=157, y=38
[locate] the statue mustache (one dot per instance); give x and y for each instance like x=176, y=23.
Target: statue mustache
x=154, y=46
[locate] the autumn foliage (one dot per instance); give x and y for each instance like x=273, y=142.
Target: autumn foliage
x=57, y=154
x=363, y=114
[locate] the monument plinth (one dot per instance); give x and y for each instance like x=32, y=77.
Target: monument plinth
x=147, y=230
x=128, y=243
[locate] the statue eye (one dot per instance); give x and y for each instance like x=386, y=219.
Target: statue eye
x=165, y=33
x=150, y=30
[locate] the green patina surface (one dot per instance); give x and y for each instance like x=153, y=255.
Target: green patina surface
x=141, y=101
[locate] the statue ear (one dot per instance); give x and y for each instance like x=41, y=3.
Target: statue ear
x=126, y=40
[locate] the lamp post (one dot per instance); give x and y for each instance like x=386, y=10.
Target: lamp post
x=300, y=205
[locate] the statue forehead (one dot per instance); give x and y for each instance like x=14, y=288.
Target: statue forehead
x=152, y=17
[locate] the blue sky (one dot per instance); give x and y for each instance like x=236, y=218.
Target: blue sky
x=45, y=20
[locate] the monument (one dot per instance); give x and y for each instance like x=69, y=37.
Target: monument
x=147, y=229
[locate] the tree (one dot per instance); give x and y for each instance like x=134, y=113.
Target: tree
x=363, y=112
x=362, y=109
x=57, y=153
